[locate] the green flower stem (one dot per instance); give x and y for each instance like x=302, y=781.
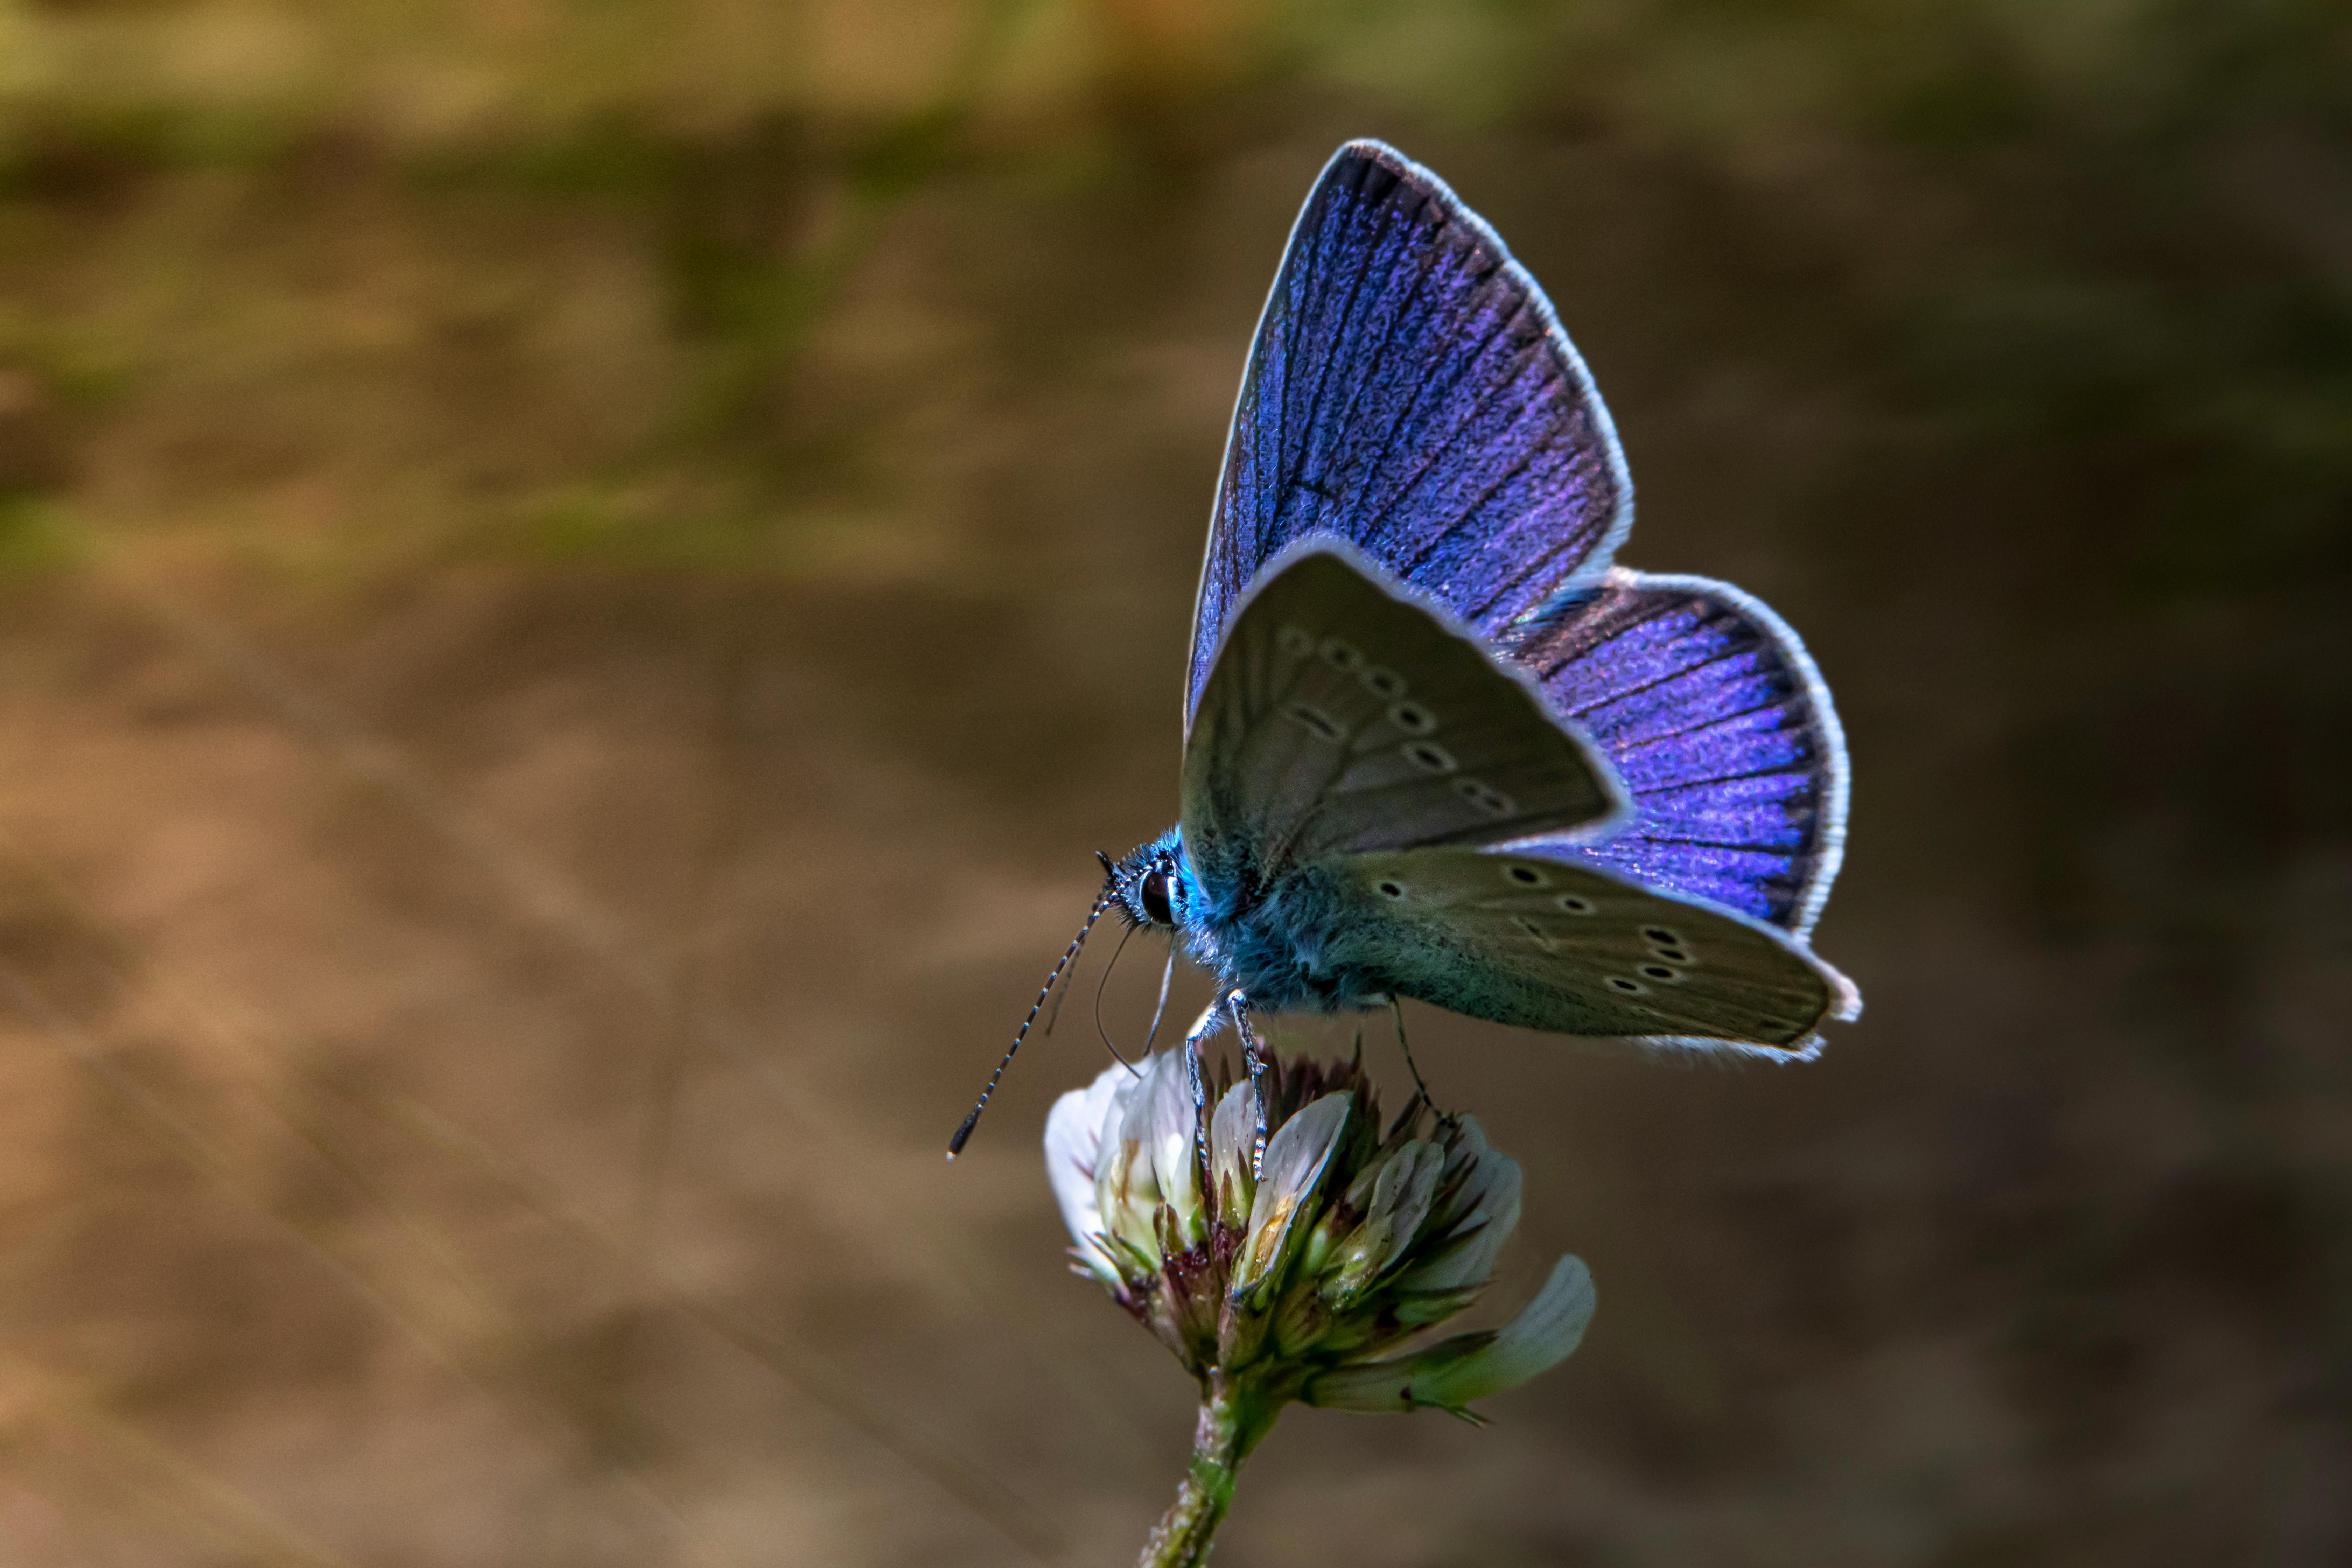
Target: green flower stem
x=1234, y=1416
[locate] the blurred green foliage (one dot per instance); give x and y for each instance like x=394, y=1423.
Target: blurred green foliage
x=2110, y=230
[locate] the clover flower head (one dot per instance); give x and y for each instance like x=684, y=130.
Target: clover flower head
x=1309, y=1277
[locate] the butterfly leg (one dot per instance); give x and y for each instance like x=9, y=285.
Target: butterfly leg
x=1210, y=1020
x=1255, y=1059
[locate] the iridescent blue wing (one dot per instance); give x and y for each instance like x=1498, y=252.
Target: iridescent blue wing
x=1530, y=941
x=1722, y=730
x=1411, y=392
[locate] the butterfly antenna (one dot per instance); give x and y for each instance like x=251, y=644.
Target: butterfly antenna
x=1054, y=1014
x=1100, y=986
x=956, y=1143
x=1160, y=1011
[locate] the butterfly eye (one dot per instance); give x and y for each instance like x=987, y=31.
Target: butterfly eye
x=1294, y=642
x=1383, y=682
x=1526, y=875
x=1392, y=889
x=1575, y=905
x=1154, y=894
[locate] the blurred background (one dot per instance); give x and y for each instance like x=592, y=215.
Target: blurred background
x=580, y=579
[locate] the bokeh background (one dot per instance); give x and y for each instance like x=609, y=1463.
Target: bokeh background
x=579, y=580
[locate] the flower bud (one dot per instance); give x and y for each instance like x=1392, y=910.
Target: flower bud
x=1306, y=1276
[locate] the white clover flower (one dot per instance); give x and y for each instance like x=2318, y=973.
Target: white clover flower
x=1307, y=1281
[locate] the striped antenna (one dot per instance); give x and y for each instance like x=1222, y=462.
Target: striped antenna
x=956, y=1143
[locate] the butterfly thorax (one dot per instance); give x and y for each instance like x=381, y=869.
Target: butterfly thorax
x=1280, y=942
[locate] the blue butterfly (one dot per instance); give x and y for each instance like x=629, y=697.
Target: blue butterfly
x=1436, y=746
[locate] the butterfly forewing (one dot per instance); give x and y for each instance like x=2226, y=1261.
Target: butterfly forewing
x=1410, y=391
x=1545, y=944
x=1343, y=716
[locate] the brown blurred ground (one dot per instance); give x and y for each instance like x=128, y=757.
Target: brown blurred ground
x=580, y=584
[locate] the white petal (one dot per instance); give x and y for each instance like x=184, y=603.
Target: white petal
x=1294, y=1159
x=1233, y=1140
x=1545, y=1331
x=1483, y=1216
x=1074, y=1135
x=1451, y=1375
x=1164, y=1113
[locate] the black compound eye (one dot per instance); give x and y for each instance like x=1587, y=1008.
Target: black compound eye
x=1153, y=895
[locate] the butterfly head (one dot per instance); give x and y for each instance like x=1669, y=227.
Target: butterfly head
x=1149, y=884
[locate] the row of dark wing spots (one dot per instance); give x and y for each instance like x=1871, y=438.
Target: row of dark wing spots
x=1668, y=946
x=1668, y=943
x=1424, y=754
x=1379, y=680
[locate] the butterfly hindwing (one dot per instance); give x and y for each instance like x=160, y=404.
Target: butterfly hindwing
x=1722, y=729
x=1343, y=716
x=1546, y=944
x=1410, y=391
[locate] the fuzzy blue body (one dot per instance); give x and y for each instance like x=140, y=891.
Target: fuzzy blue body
x=1285, y=946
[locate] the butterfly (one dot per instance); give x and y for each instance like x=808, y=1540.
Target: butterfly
x=1436, y=744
